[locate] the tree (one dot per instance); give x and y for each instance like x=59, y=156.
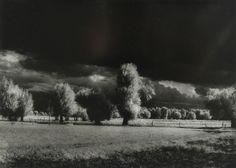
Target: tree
x=233, y=110
x=10, y=94
x=128, y=87
x=65, y=103
x=26, y=104
x=14, y=101
x=144, y=113
x=96, y=103
x=220, y=107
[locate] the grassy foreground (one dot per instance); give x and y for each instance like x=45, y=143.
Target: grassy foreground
x=47, y=146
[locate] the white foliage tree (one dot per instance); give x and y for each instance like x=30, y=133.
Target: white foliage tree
x=65, y=98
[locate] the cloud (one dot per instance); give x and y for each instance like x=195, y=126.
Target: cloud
x=97, y=78
x=183, y=88
x=13, y=65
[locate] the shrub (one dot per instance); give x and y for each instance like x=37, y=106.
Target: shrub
x=155, y=113
x=199, y=114
x=81, y=113
x=176, y=115
x=183, y=113
x=206, y=115
x=191, y=116
x=114, y=112
x=144, y=113
x=164, y=113
x=170, y=112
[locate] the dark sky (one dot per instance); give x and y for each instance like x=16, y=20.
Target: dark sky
x=189, y=41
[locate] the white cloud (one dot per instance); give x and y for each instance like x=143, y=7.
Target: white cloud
x=183, y=88
x=97, y=78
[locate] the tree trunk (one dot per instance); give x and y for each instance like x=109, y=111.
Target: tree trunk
x=125, y=122
x=22, y=118
x=233, y=123
x=61, y=119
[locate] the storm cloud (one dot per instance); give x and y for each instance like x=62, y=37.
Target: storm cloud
x=187, y=41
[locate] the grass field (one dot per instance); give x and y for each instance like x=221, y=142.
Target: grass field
x=40, y=145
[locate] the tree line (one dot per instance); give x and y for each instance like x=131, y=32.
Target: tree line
x=91, y=104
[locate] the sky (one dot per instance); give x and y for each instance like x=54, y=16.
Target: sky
x=181, y=44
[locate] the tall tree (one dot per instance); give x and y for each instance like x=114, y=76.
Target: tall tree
x=65, y=103
x=26, y=103
x=128, y=87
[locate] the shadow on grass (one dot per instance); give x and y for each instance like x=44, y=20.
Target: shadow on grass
x=179, y=157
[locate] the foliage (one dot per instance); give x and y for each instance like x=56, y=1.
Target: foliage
x=65, y=104
x=128, y=87
x=220, y=107
x=191, y=115
x=155, y=112
x=81, y=113
x=25, y=103
x=176, y=115
x=147, y=90
x=96, y=103
x=114, y=112
x=183, y=113
x=164, y=113
x=144, y=113
x=14, y=101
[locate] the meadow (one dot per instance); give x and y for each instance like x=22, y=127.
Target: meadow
x=34, y=145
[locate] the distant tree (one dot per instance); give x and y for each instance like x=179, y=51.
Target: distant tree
x=144, y=113
x=191, y=115
x=81, y=113
x=128, y=87
x=114, y=112
x=96, y=103
x=176, y=115
x=26, y=103
x=220, y=107
x=183, y=113
x=155, y=112
x=164, y=113
x=206, y=115
x=147, y=90
x=65, y=103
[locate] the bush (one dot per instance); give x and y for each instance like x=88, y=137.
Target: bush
x=170, y=112
x=206, y=115
x=114, y=112
x=144, y=113
x=96, y=103
x=191, y=116
x=199, y=114
x=176, y=115
x=81, y=113
x=164, y=113
x=183, y=113
x=155, y=113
